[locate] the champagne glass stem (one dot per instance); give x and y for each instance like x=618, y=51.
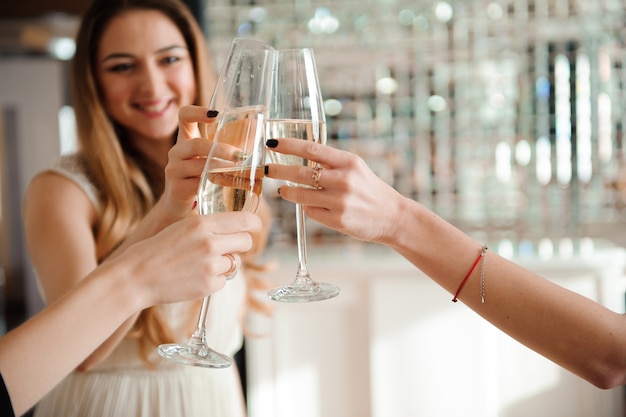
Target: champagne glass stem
x=200, y=334
x=302, y=277
x=197, y=341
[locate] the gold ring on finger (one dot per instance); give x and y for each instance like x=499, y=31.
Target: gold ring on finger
x=317, y=173
x=233, y=266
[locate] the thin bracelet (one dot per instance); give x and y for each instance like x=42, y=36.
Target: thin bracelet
x=482, y=274
x=482, y=255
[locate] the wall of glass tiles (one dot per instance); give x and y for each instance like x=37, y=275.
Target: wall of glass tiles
x=500, y=115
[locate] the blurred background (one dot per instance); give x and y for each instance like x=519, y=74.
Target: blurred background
x=502, y=116
x=506, y=117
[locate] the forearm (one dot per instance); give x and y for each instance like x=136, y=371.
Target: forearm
x=152, y=224
x=37, y=355
x=571, y=330
x=99, y=354
x=102, y=351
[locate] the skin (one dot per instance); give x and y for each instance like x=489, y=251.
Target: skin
x=573, y=331
x=144, y=274
x=146, y=79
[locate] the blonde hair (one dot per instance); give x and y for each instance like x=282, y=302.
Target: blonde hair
x=129, y=184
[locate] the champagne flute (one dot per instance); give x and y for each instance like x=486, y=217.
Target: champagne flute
x=233, y=173
x=297, y=111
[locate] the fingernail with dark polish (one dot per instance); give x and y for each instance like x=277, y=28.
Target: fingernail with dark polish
x=267, y=169
x=278, y=190
x=195, y=204
x=212, y=113
x=272, y=143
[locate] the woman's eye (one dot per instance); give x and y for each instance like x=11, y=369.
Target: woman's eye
x=170, y=59
x=121, y=67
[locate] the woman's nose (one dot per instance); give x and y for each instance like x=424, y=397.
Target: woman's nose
x=151, y=79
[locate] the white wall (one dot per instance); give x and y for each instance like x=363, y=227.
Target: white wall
x=392, y=344
x=31, y=94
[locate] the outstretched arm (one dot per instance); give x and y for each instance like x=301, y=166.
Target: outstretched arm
x=571, y=330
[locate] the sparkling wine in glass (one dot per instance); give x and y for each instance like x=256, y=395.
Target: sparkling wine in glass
x=233, y=173
x=297, y=111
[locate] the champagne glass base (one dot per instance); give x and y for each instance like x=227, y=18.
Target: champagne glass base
x=315, y=291
x=202, y=356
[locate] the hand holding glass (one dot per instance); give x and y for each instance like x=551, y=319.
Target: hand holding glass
x=233, y=173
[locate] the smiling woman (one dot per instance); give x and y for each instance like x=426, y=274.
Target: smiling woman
x=140, y=75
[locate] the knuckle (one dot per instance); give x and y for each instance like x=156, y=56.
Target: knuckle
x=303, y=175
x=355, y=161
x=314, y=150
x=169, y=170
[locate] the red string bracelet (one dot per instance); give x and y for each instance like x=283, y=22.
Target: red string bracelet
x=481, y=255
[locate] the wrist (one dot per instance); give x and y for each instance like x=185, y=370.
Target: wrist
x=129, y=281
x=403, y=223
x=163, y=215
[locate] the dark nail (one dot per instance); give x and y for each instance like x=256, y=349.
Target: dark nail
x=272, y=143
x=267, y=169
x=278, y=190
x=212, y=113
x=195, y=204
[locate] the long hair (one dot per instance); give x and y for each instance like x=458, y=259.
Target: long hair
x=129, y=183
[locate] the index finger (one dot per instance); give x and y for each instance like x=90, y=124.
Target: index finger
x=189, y=117
x=327, y=156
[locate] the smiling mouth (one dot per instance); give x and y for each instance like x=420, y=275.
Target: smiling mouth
x=153, y=108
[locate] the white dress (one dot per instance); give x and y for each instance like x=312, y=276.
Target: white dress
x=122, y=386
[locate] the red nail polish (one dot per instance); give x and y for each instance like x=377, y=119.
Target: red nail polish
x=195, y=204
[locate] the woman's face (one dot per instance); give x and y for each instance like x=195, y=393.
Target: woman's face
x=145, y=73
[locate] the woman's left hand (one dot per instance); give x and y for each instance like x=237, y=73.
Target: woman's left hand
x=186, y=160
